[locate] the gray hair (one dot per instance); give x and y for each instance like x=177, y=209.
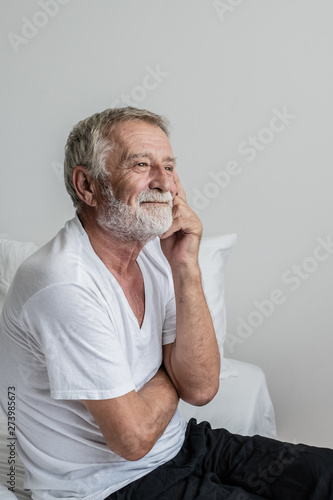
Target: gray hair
x=90, y=142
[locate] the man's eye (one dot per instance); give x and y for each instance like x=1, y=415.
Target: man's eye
x=170, y=168
x=142, y=164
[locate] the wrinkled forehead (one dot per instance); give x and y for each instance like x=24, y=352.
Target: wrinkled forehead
x=136, y=137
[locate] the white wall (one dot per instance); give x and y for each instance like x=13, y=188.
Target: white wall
x=223, y=70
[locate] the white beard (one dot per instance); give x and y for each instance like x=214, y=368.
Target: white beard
x=142, y=223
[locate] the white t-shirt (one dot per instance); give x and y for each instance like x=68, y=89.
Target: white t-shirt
x=68, y=333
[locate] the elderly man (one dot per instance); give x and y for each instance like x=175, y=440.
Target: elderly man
x=109, y=327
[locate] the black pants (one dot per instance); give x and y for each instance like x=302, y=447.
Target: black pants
x=215, y=464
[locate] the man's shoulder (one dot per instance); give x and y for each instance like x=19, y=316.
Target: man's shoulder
x=58, y=261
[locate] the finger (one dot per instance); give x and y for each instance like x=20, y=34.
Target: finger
x=180, y=190
x=174, y=228
x=183, y=221
x=179, y=205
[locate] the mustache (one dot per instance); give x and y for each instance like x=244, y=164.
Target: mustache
x=151, y=195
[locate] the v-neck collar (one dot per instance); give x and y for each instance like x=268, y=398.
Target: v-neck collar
x=114, y=279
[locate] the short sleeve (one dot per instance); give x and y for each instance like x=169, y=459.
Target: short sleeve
x=73, y=334
x=169, y=326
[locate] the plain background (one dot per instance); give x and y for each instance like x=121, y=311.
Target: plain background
x=220, y=71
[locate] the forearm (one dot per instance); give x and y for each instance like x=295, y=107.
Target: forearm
x=131, y=424
x=194, y=359
x=160, y=398
x=156, y=404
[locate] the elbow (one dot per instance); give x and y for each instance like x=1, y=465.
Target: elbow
x=133, y=448
x=135, y=454
x=201, y=396
x=203, y=399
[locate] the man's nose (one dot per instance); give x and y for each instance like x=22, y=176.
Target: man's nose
x=162, y=179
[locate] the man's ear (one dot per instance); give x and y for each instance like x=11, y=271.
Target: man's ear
x=84, y=186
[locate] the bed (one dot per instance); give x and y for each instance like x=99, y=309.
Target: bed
x=242, y=404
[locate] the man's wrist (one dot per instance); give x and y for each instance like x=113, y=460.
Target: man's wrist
x=188, y=272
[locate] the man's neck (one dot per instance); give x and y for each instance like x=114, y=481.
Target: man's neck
x=119, y=256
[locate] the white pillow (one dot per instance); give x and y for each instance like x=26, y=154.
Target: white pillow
x=12, y=254
x=213, y=255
